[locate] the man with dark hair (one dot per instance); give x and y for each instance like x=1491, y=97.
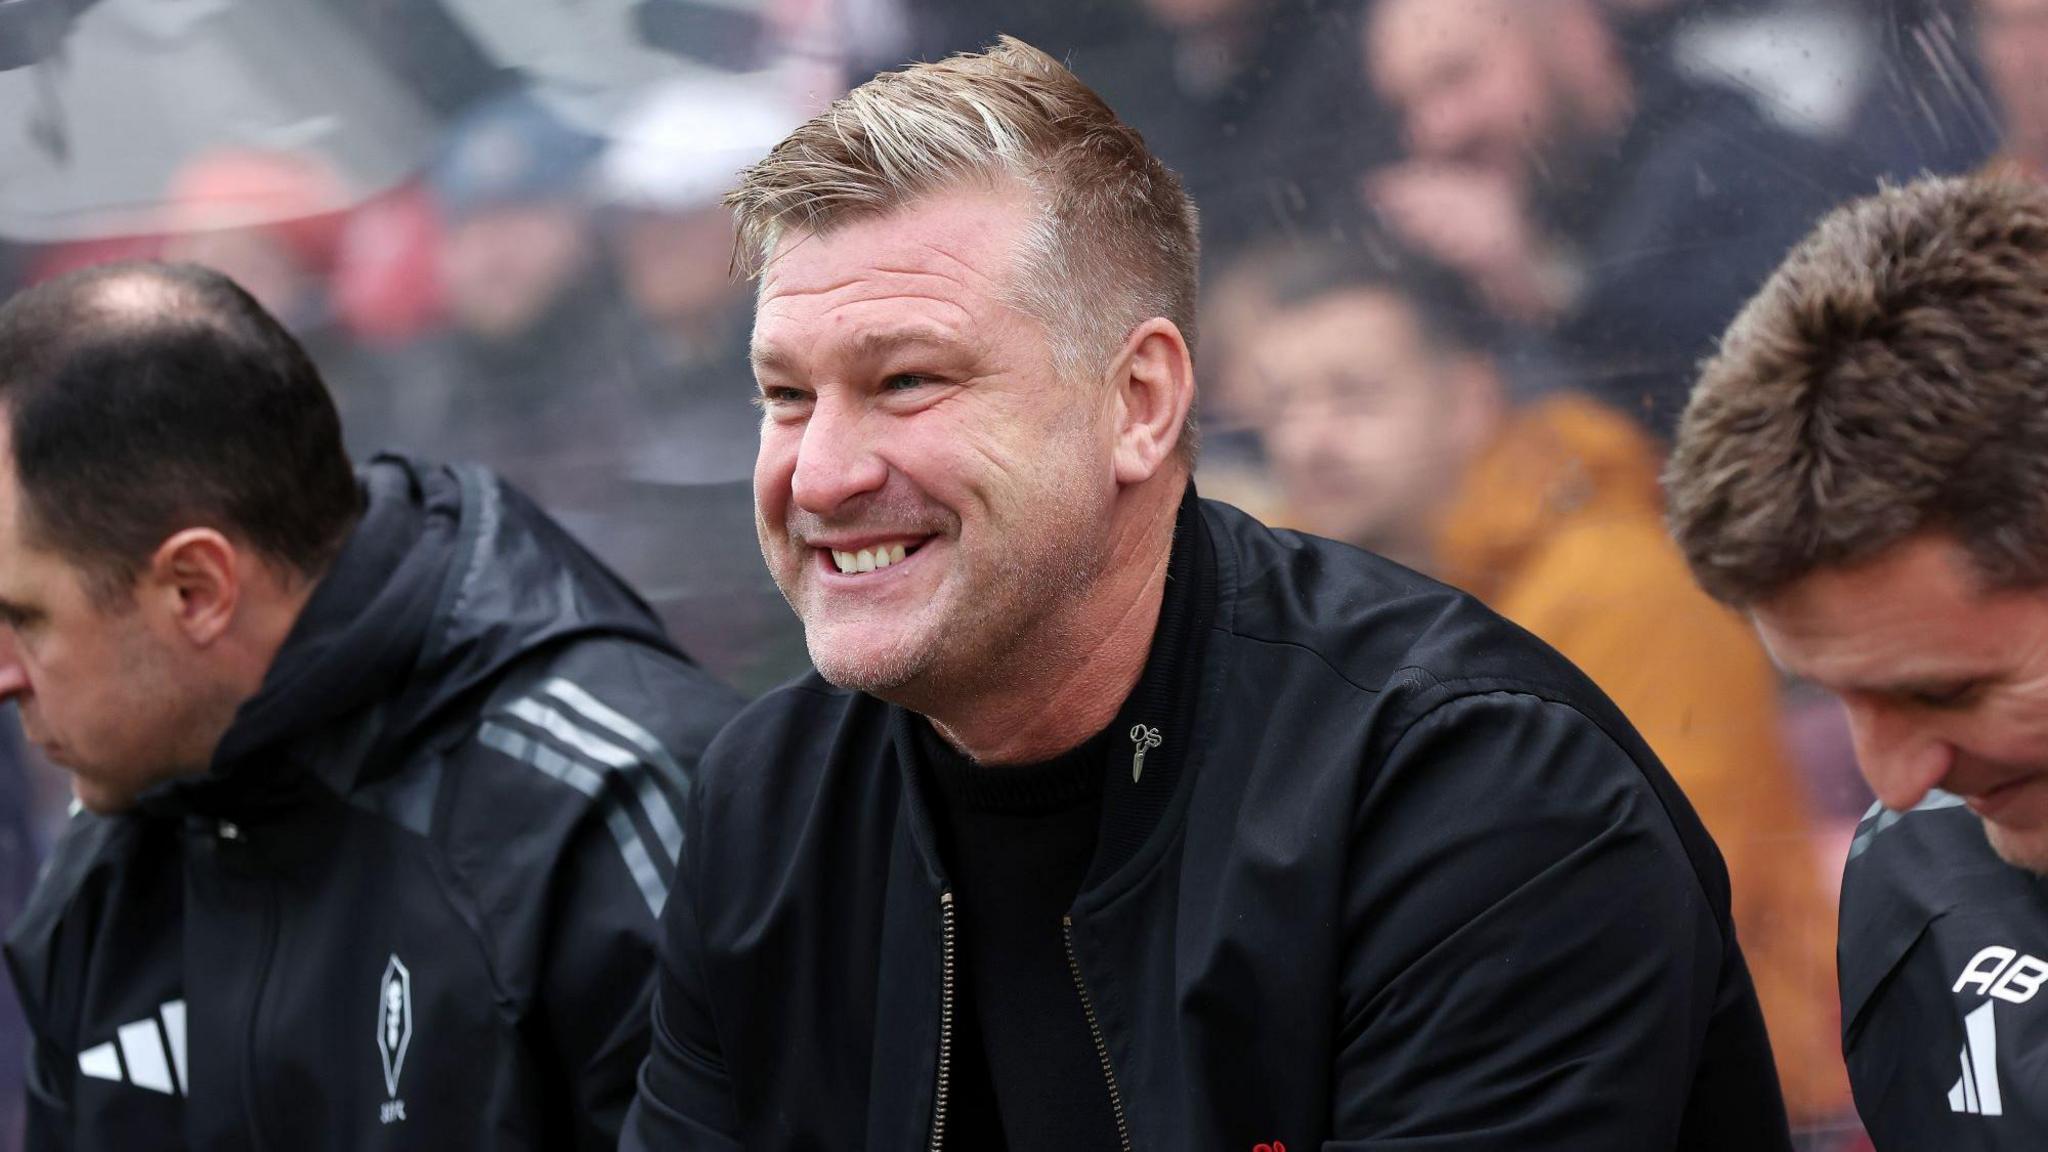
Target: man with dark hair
x=1389, y=426
x=343, y=744
x=1112, y=818
x=1861, y=468
x=1581, y=193
x=543, y=367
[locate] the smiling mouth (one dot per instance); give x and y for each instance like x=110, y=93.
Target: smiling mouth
x=1993, y=802
x=865, y=560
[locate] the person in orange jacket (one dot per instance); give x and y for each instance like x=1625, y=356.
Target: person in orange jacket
x=1388, y=426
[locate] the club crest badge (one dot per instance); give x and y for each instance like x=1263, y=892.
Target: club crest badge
x=394, y=1031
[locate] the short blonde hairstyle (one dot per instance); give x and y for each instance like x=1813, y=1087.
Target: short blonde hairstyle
x=1116, y=241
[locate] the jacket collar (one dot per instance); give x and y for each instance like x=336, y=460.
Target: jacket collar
x=1160, y=714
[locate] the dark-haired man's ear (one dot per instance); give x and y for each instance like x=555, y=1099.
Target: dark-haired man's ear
x=196, y=578
x=1155, y=387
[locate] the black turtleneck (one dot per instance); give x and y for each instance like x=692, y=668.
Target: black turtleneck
x=1020, y=842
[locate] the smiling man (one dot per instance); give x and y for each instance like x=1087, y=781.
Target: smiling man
x=1862, y=468
x=1114, y=819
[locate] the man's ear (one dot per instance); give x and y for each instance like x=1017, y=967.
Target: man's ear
x=1154, y=385
x=196, y=577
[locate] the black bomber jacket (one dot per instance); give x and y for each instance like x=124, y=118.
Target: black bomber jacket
x=1400, y=879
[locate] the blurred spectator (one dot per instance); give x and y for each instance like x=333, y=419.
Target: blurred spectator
x=1391, y=430
x=385, y=288
x=2013, y=38
x=274, y=222
x=540, y=370
x=1627, y=211
x=270, y=220
x=1259, y=105
x=662, y=181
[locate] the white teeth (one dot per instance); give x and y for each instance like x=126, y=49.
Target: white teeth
x=868, y=559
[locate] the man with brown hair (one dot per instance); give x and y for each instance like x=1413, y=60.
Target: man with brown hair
x=1862, y=469
x=1388, y=425
x=1114, y=819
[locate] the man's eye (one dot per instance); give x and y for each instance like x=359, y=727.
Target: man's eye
x=776, y=396
x=904, y=381
x=1948, y=698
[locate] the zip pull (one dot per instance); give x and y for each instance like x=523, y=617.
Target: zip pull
x=229, y=830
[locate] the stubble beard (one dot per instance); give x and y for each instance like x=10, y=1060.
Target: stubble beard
x=978, y=637
x=985, y=629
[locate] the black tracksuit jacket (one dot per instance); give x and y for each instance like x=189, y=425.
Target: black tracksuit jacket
x=1411, y=883
x=414, y=903
x=1944, y=957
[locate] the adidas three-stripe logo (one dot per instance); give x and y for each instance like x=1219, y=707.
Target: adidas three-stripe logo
x=137, y=1054
x=1977, y=1091
x=572, y=736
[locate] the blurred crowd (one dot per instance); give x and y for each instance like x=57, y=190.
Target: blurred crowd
x=1461, y=258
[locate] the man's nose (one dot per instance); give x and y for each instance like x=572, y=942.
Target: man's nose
x=1902, y=758
x=837, y=460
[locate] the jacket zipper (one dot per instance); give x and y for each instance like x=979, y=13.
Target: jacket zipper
x=945, y=1021
x=1116, y=1098
x=229, y=833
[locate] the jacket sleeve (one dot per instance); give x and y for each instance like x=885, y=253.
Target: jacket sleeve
x=596, y=985
x=685, y=1101
x=645, y=724
x=1704, y=698
x=1531, y=959
x=49, y=955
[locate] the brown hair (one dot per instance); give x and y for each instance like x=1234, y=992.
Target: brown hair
x=1116, y=241
x=1890, y=378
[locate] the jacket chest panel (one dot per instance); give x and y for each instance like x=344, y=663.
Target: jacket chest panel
x=297, y=994
x=1957, y=1041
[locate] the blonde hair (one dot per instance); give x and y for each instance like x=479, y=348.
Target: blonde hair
x=1115, y=243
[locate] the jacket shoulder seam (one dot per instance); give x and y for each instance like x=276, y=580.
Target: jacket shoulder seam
x=1320, y=658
